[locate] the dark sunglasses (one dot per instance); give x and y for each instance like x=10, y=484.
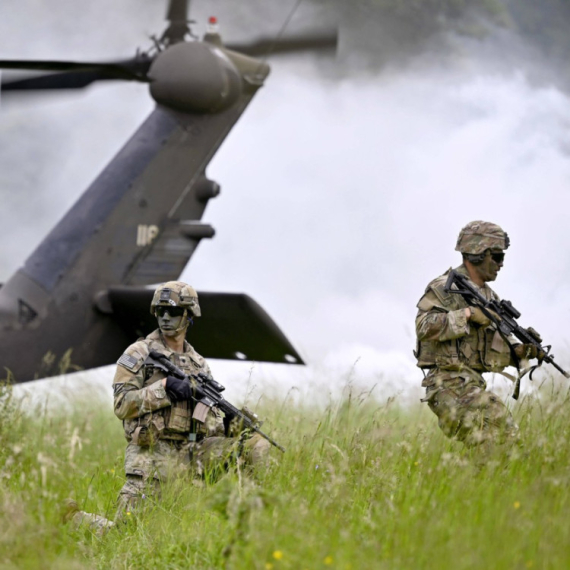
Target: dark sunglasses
x=172, y=311
x=498, y=257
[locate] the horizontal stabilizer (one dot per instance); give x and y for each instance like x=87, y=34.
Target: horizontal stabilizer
x=233, y=326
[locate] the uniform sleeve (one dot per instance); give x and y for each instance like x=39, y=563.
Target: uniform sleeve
x=433, y=322
x=131, y=399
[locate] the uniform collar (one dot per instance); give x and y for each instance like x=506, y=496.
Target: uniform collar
x=157, y=336
x=463, y=270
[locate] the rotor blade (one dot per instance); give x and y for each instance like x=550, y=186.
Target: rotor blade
x=67, y=80
x=133, y=69
x=264, y=47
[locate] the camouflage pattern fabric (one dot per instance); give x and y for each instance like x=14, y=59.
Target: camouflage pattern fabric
x=167, y=439
x=456, y=353
x=176, y=294
x=96, y=523
x=447, y=340
x=207, y=459
x=214, y=454
x=478, y=236
x=469, y=413
x=136, y=490
x=140, y=399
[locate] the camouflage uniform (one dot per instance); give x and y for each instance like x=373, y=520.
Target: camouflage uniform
x=166, y=439
x=456, y=353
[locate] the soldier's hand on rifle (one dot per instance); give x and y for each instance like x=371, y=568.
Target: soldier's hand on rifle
x=528, y=352
x=177, y=389
x=477, y=316
x=237, y=426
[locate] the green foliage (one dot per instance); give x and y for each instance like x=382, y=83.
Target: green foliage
x=362, y=485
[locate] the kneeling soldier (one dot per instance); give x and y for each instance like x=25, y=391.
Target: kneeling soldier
x=167, y=431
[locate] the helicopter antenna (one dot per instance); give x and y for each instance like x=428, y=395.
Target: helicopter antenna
x=178, y=27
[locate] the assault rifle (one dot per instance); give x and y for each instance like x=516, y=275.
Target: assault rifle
x=209, y=392
x=506, y=323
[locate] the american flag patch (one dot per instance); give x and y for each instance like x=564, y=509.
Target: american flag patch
x=127, y=361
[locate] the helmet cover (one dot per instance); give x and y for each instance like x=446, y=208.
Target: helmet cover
x=476, y=237
x=176, y=294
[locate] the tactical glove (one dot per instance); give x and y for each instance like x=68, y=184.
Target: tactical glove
x=178, y=389
x=528, y=351
x=478, y=317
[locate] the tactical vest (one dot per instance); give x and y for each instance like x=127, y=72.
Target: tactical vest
x=174, y=422
x=177, y=418
x=483, y=349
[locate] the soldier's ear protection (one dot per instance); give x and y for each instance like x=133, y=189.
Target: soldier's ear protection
x=475, y=258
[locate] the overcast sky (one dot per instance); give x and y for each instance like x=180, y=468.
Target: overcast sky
x=340, y=200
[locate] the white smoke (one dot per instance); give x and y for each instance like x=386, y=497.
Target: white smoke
x=340, y=201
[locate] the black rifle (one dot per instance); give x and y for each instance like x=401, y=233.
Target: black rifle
x=506, y=323
x=208, y=392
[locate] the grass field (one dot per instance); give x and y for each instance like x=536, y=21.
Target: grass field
x=362, y=485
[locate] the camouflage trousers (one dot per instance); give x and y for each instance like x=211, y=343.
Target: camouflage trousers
x=467, y=412
x=148, y=468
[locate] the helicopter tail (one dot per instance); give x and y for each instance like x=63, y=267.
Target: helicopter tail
x=234, y=326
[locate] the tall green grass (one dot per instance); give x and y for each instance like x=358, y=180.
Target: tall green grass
x=362, y=485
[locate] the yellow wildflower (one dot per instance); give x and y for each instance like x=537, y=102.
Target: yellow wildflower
x=268, y=566
x=278, y=555
x=328, y=560
x=516, y=505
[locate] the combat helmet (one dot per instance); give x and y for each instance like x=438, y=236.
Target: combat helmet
x=476, y=237
x=176, y=294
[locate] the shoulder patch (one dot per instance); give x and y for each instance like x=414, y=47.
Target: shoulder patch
x=428, y=302
x=128, y=361
x=435, y=296
x=446, y=299
x=134, y=356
